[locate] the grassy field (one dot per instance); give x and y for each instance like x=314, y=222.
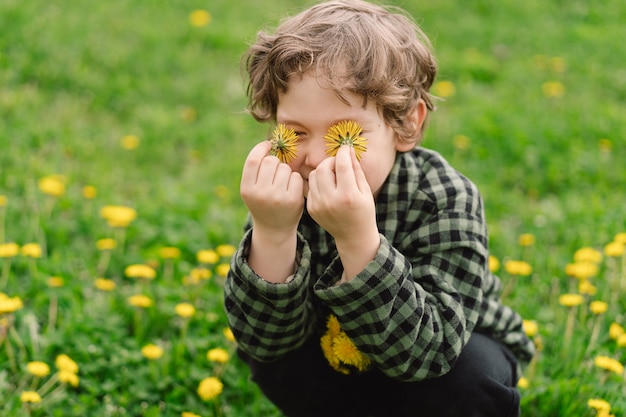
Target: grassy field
x=141, y=105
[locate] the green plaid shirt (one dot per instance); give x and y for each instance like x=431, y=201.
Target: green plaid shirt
x=414, y=307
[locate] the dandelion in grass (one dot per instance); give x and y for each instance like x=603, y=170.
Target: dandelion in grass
x=225, y=250
x=570, y=301
x=597, y=308
x=609, y=364
x=130, y=142
x=582, y=269
x=284, y=143
x=8, y=251
x=218, y=355
x=188, y=414
x=444, y=89
x=616, y=330
x=67, y=377
x=461, y=142
x=118, y=216
x=222, y=270
x=64, y=363
x=10, y=304
x=523, y=383
x=207, y=256
x=531, y=328
x=30, y=397
x=169, y=254
x=140, y=301
x=89, y=192
x=140, y=271
x=104, y=284
x=229, y=335
x=38, y=369
x=152, y=351
x=185, y=310
x=52, y=185
x=588, y=254
x=210, y=388
x=621, y=340
x=200, y=18
x=32, y=250
x=515, y=269
x=553, y=89
x=494, y=264
x=347, y=132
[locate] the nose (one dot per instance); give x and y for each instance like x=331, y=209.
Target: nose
x=312, y=151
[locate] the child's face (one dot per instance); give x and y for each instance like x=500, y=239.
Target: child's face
x=310, y=110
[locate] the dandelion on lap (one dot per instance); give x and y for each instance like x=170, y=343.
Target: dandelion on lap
x=361, y=285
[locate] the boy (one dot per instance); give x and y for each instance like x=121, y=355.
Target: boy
x=361, y=287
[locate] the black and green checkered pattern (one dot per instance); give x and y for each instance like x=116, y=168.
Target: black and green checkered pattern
x=413, y=308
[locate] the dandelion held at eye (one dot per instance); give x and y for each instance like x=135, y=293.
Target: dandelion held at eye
x=284, y=143
x=347, y=132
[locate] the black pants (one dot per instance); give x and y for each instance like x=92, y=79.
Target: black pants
x=302, y=384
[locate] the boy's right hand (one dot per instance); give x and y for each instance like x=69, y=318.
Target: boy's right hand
x=272, y=192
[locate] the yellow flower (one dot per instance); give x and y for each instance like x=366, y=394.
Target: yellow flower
x=521, y=268
x=553, y=89
x=229, y=335
x=118, y=216
x=200, y=18
x=10, y=304
x=9, y=250
x=30, y=397
x=89, y=192
x=614, y=249
x=169, y=252
x=523, y=383
x=444, y=89
x=621, y=340
x=461, y=142
x=586, y=287
x=185, y=310
x=620, y=237
x=188, y=414
x=598, y=307
x=152, y=351
x=222, y=269
x=570, y=300
x=347, y=352
x=3, y=200
x=494, y=263
x=104, y=284
x=68, y=377
x=609, y=364
x=55, y=282
x=582, y=269
x=526, y=239
x=200, y=273
x=106, y=244
x=140, y=271
x=38, y=369
x=347, y=132
x=284, y=143
x=605, y=145
x=207, y=256
x=225, y=250
x=65, y=363
x=218, y=355
x=615, y=331
x=53, y=185
x=530, y=327
x=210, y=388
x=340, y=352
x=140, y=300
x=130, y=142
x=31, y=250
x=587, y=254
x=332, y=324
x=599, y=404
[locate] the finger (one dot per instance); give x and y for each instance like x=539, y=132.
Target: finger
x=253, y=162
x=344, y=168
x=359, y=174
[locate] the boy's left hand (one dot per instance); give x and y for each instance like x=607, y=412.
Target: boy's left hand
x=340, y=200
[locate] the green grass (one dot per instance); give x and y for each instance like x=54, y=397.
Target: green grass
x=76, y=77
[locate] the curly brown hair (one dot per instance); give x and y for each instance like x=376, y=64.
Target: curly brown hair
x=377, y=52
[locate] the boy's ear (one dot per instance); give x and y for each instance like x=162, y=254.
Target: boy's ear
x=415, y=119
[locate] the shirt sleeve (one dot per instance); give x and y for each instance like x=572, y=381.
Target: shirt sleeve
x=268, y=319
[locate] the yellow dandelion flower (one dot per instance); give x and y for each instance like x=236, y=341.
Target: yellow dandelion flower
x=55, y=282
x=229, y=335
x=169, y=252
x=494, y=263
x=225, y=250
x=106, y=244
x=130, y=142
x=152, y=351
x=609, y=364
x=585, y=287
x=222, y=269
x=582, y=269
x=530, y=327
x=461, y=142
x=200, y=274
x=526, y=239
x=53, y=185
x=38, y=369
x=621, y=340
x=140, y=271
x=615, y=331
x=188, y=414
x=614, y=249
x=520, y=268
x=118, y=216
x=89, y=192
x=553, y=89
x=104, y=284
x=65, y=363
x=523, y=383
x=284, y=143
x=620, y=237
x=218, y=355
x=68, y=377
x=185, y=310
x=326, y=343
x=570, y=300
x=10, y=304
x=444, y=89
x=588, y=254
x=207, y=256
x=332, y=324
x=30, y=397
x=347, y=352
x=199, y=18
x=31, y=250
x=598, y=307
x=3, y=200
x=140, y=300
x=347, y=132
x=210, y=388
x=9, y=250
x=605, y=145
x=599, y=404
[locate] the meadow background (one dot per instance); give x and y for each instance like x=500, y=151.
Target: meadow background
x=141, y=104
